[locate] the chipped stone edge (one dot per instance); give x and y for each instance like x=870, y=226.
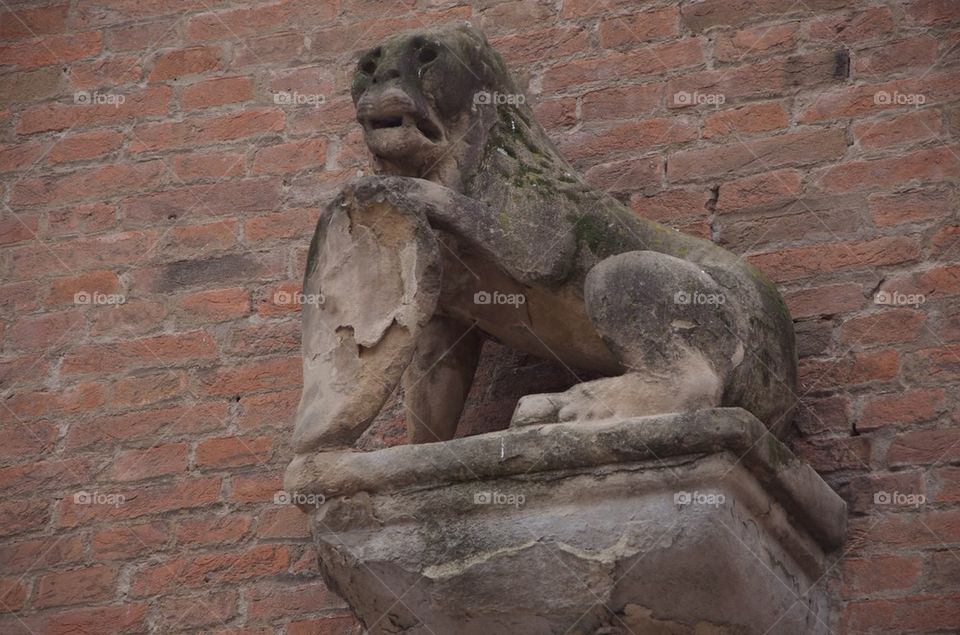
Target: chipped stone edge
x=576, y=445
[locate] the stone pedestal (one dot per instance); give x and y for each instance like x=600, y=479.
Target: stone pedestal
x=686, y=523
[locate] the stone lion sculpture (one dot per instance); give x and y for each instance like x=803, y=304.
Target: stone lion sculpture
x=473, y=227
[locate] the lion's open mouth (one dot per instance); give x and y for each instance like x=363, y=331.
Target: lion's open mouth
x=422, y=125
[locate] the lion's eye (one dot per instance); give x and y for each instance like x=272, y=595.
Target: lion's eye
x=427, y=54
x=368, y=67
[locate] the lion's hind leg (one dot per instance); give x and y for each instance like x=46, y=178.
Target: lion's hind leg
x=669, y=324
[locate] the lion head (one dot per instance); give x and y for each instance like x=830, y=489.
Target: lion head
x=431, y=101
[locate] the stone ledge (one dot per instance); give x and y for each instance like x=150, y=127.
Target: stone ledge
x=805, y=497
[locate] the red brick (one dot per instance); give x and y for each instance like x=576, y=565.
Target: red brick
x=132, y=318
x=184, y=241
x=220, y=270
x=126, y=618
x=174, y=64
x=19, y=157
x=766, y=78
x=284, y=372
x=49, y=116
x=826, y=300
x=27, y=23
x=203, y=201
x=80, y=586
x=924, y=447
x=531, y=46
x=91, y=183
x=23, y=516
x=30, y=478
x=342, y=625
x=81, y=219
x=207, y=530
x=18, y=228
x=286, y=224
x=913, y=613
x=255, y=489
x=803, y=262
x=753, y=41
x=933, y=12
x=909, y=128
x=943, y=243
x=287, y=158
x=278, y=47
x=556, y=113
x=646, y=26
x=875, y=98
x=233, y=451
x=651, y=60
x=147, y=389
x=124, y=542
x=908, y=207
x=139, y=36
x=206, y=130
x=106, y=72
x=148, y=426
x=85, y=145
x=936, y=281
x=792, y=148
x=55, y=49
x=47, y=331
x=343, y=38
x=142, y=501
x=828, y=415
x=906, y=407
x=286, y=522
x=671, y=204
x=622, y=102
x=65, y=290
x=256, y=20
x=880, y=573
x=211, y=569
x=859, y=368
x=640, y=135
x=216, y=92
x=13, y=595
x=268, y=338
x=948, y=489
x=273, y=409
x=886, y=327
x=209, y=165
x=937, y=364
x=834, y=454
x=215, y=609
x=912, y=53
x=218, y=305
x=700, y=16
x=20, y=440
x=274, y=601
x=752, y=118
x=160, y=350
x=35, y=554
x=865, y=24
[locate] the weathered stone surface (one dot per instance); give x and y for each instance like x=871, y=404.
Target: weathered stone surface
x=682, y=523
x=530, y=255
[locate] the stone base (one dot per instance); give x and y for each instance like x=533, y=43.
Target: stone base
x=687, y=523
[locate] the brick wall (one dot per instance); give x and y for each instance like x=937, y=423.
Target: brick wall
x=142, y=155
